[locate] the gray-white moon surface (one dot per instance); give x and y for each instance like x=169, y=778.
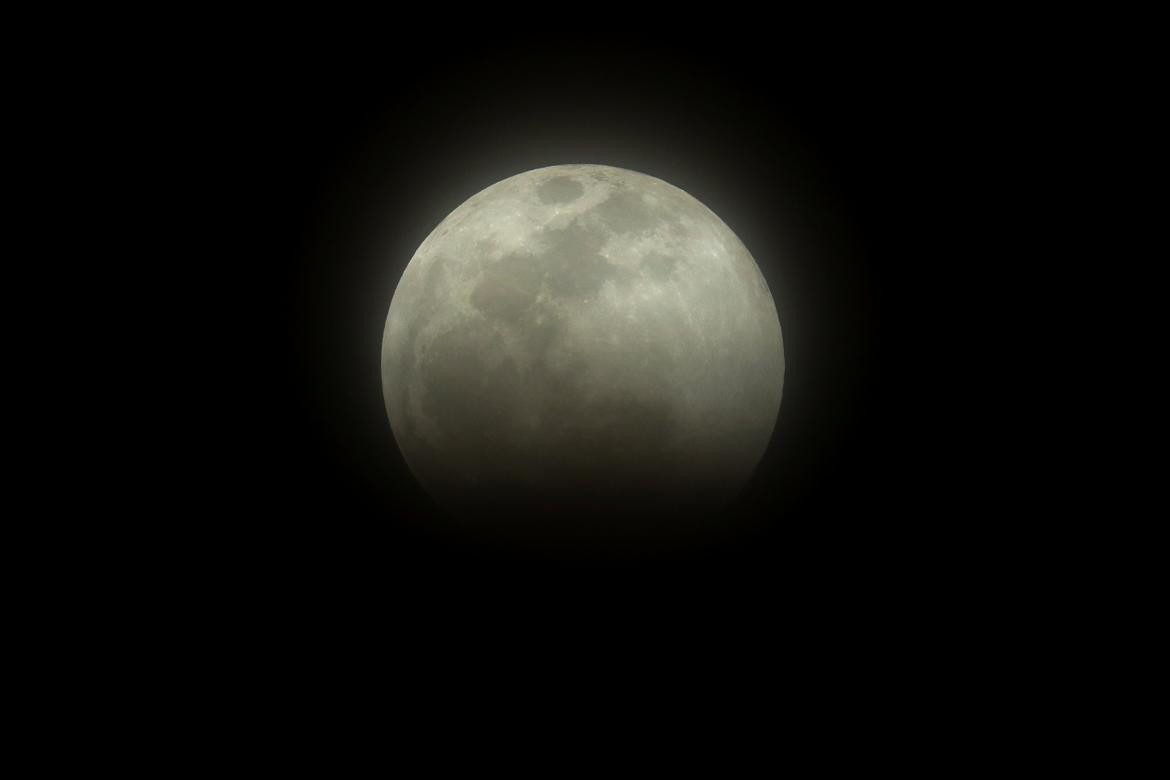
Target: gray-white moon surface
x=582, y=336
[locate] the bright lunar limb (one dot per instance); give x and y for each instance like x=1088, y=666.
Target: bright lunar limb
x=582, y=340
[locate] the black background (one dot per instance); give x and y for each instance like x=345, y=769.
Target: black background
x=316, y=164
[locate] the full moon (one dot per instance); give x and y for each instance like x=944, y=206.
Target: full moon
x=582, y=344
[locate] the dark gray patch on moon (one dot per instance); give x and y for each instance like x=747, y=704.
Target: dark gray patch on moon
x=576, y=268
x=560, y=189
x=658, y=266
x=539, y=331
x=621, y=426
x=508, y=286
x=467, y=397
x=626, y=212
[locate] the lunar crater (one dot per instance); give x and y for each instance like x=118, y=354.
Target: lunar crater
x=560, y=189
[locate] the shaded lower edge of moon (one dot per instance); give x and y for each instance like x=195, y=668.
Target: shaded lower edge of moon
x=635, y=520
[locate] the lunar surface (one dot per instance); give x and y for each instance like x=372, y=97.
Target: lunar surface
x=582, y=340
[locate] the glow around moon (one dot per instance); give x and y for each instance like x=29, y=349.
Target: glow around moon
x=582, y=337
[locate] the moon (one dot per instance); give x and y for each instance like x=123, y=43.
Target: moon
x=582, y=341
